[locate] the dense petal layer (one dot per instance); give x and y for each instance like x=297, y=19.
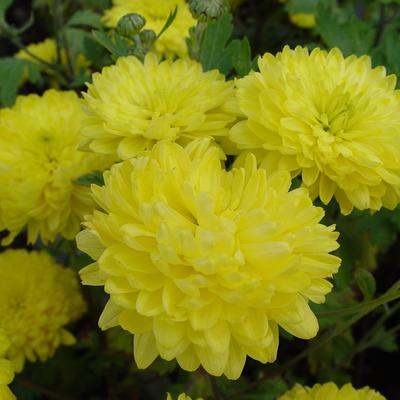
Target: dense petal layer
x=132, y=105
x=39, y=162
x=6, y=369
x=37, y=299
x=203, y=264
x=334, y=120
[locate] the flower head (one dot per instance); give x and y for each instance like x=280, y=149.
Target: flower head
x=6, y=369
x=334, y=120
x=39, y=161
x=133, y=105
x=37, y=299
x=332, y=392
x=156, y=12
x=203, y=265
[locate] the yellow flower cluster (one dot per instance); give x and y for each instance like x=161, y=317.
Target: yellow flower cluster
x=332, y=392
x=37, y=299
x=202, y=264
x=156, y=12
x=133, y=105
x=39, y=161
x=6, y=369
x=334, y=120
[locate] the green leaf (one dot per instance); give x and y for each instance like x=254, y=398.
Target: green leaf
x=114, y=44
x=34, y=74
x=85, y=18
x=4, y=6
x=302, y=6
x=344, y=30
x=11, y=76
x=170, y=20
x=242, y=61
x=366, y=282
x=388, y=52
x=95, y=177
x=39, y=3
x=386, y=340
x=215, y=38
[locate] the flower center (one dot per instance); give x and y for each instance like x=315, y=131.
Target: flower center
x=334, y=118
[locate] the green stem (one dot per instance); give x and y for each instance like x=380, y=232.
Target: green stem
x=370, y=338
x=381, y=25
x=391, y=295
x=363, y=310
x=14, y=40
x=215, y=388
x=197, y=38
x=53, y=67
x=65, y=44
x=56, y=28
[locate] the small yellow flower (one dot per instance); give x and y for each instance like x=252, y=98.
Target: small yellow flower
x=334, y=120
x=37, y=299
x=39, y=161
x=332, y=392
x=6, y=369
x=47, y=51
x=303, y=20
x=133, y=105
x=156, y=12
x=204, y=264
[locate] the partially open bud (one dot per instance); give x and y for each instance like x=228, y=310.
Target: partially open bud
x=208, y=10
x=130, y=25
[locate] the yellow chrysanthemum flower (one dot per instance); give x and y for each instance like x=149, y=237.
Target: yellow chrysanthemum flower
x=47, y=51
x=37, y=299
x=39, y=161
x=332, y=392
x=6, y=369
x=203, y=265
x=182, y=396
x=133, y=105
x=173, y=41
x=334, y=120
x=303, y=20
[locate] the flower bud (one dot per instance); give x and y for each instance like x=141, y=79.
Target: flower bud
x=147, y=37
x=130, y=25
x=208, y=10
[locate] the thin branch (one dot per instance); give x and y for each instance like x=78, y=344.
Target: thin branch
x=20, y=46
x=381, y=25
x=365, y=309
